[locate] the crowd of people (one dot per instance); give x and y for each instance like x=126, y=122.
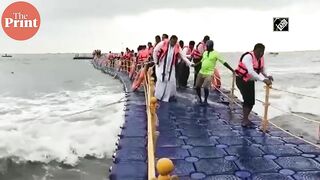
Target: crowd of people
x=172, y=61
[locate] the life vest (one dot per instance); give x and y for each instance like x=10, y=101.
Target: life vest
x=143, y=55
x=189, y=50
x=138, y=80
x=111, y=56
x=216, y=80
x=196, y=54
x=127, y=56
x=242, y=70
x=162, y=56
x=162, y=53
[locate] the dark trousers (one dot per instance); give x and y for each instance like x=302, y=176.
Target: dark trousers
x=247, y=91
x=196, y=72
x=182, y=74
x=154, y=74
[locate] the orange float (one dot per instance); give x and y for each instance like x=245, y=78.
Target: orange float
x=216, y=80
x=138, y=80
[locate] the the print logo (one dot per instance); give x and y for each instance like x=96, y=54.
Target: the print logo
x=280, y=24
x=20, y=21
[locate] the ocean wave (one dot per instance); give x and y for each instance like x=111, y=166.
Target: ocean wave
x=45, y=129
x=299, y=127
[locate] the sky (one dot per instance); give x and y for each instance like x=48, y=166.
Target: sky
x=71, y=26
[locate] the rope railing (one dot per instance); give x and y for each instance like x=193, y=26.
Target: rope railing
x=291, y=113
x=267, y=104
x=297, y=94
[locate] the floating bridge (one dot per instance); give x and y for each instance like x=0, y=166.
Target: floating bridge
x=183, y=140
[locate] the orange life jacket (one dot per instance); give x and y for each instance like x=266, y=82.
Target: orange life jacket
x=143, y=55
x=242, y=70
x=162, y=56
x=162, y=53
x=196, y=54
x=127, y=56
x=111, y=56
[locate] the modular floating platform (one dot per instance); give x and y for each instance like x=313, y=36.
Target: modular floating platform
x=207, y=142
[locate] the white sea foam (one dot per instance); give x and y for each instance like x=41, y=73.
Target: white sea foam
x=45, y=129
x=289, y=102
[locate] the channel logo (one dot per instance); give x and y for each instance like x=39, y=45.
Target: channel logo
x=280, y=24
x=20, y=21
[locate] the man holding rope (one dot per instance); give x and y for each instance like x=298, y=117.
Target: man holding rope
x=251, y=64
x=207, y=67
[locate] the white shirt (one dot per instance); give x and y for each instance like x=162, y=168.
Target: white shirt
x=247, y=61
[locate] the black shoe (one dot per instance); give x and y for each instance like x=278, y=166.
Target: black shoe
x=199, y=102
x=173, y=99
x=249, y=125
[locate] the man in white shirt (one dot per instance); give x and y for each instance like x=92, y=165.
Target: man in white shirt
x=166, y=54
x=251, y=64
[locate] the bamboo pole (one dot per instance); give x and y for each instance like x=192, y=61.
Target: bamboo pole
x=265, y=123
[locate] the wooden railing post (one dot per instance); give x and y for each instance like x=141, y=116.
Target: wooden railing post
x=265, y=121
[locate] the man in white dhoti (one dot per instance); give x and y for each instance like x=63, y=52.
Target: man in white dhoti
x=165, y=55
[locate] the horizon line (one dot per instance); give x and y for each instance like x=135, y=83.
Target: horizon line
x=120, y=51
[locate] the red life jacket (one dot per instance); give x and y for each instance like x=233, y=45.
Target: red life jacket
x=162, y=56
x=242, y=70
x=162, y=53
x=196, y=54
x=143, y=55
x=126, y=56
x=111, y=56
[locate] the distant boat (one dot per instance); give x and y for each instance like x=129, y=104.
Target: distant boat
x=273, y=53
x=77, y=56
x=6, y=55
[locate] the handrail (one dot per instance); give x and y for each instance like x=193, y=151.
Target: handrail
x=265, y=121
x=164, y=165
x=266, y=104
x=150, y=146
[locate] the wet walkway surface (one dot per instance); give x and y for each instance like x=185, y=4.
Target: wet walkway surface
x=208, y=142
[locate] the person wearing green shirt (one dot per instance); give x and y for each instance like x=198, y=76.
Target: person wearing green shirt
x=209, y=61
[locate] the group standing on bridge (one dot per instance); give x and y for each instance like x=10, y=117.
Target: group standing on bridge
x=171, y=62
